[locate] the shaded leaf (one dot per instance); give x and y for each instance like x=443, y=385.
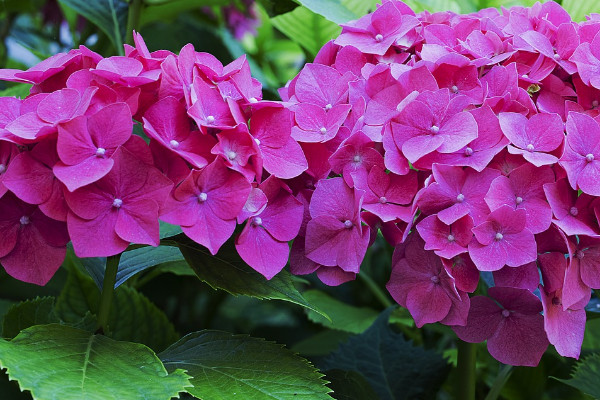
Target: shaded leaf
x=585, y=376
x=349, y=385
x=61, y=362
x=226, y=366
x=344, y=317
x=28, y=313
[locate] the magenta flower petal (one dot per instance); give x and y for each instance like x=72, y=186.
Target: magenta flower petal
x=261, y=251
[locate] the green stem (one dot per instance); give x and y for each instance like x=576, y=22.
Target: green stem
x=499, y=382
x=467, y=377
x=133, y=19
x=375, y=289
x=108, y=289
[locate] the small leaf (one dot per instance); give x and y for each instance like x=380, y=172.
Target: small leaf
x=108, y=15
x=349, y=385
x=585, y=376
x=168, y=230
x=394, y=368
x=133, y=317
x=344, y=317
x=333, y=10
x=28, y=313
x=61, y=362
x=19, y=90
x=226, y=366
x=578, y=9
x=227, y=271
x=161, y=10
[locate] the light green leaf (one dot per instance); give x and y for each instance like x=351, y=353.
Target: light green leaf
x=20, y=90
x=60, y=362
x=37, y=311
x=108, y=15
x=133, y=317
x=227, y=271
x=585, y=376
x=308, y=29
x=578, y=9
x=226, y=366
x=161, y=10
x=333, y=10
x=344, y=317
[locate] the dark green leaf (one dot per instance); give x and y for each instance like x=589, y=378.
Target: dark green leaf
x=226, y=366
x=227, y=271
x=37, y=311
x=108, y=15
x=344, y=317
x=276, y=7
x=394, y=368
x=349, y=385
x=61, y=362
x=168, y=230
x=161, y=10
x=333, y=10
x=585, y=375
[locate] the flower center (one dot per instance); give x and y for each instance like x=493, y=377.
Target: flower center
x=468, y=152
x=379, y=37
x=231, y=154
x=556, y=301
x=328, y=107
x=100, y=152
x=434, y=129
x=257, y=221
x=435, y=279
x=382, y=200
x=348, y=224
x=574, y=211
x=202, y=197
x=323, y=130
x=589, y=158
x=2, y=168
x=530, y=147
x=357, y=159
x=505, y=313
x=460, y=198
x=525, y=76
x=579, y=254
x=595, y=103
x=518, y=200
x=174, y=144
x=24, y=220
x=117, y=203
x=210, y=119
x=454, y=89
x=253, y=100
x=451, y=238
x=557, y=56
x=499, y=236
x=257, y=141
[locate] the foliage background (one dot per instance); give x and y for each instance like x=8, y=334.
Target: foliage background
x=287, y=36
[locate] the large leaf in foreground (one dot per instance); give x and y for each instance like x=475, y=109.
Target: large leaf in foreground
x=585, y=376
x=227, y=271
x=394, y=368
x=60, y=362
x=226, y=366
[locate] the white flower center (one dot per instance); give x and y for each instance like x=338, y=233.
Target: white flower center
x=499, y=236
x=328, y=107
x=460, y=198
x=579, y=254
x=451, y=238
x=557, y=57
x=348, y=224
x=257, y=221
x=357, y=158
x=589, y=157
x=323, y=130
x=24, y=220
x=573, y=211
x=253, y=100
x=505, y=313
x=434, y=129
x=2, y=168
x=202, y=197
x=454, y=89
x=468, y=152
x=382, y=200
x=117, y=203
x=519, y=200
x=174, y=144
x=435, y=279
x=210, y=119
x=257, y=141
x=595, y=103
x=529, y=147
x=100, y=152
x=231, y=154
x=379, y=37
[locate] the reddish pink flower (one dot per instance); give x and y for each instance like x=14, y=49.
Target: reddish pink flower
x=316, y=124
x=503, y=239
x=8, y=152
x=524, y=277
x=126, y=71
x=587, y=59
x=236, y=147
x=263, y=241
x=511, y=322
x=355, y=157
x=33, y=246
x=533, y=138
x=207, y=203
x=335, y=235
x=322, y=86
x=210, y=109
x=446, y=241
x=573, y=214
x=121, y=208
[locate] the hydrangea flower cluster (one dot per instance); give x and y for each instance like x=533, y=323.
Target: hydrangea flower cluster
x=470, y=142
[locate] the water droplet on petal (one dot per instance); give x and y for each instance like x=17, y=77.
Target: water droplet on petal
x=24, y=220
x=525, y=76
x=202, y=197
x=210, y=119
x=117, y=203
x=579, y=254
x=499, y=236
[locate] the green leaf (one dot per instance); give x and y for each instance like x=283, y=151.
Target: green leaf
x=277, y=7
x=308, y=29
x=227, y=271
x=321, y=344
x=60, y=362
x=108, y=15
x=349, y=385
x=394, y=368
x=20, y=90
x=344, y=317
x=132, y=262
x=133, y=317
x=168, y=230
x=585, y=375
x=226, y=366
x=578, y=9
x=333, y=10
x=28, y=313
x=161, y=10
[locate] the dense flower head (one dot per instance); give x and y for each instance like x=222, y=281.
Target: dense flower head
x=471, y=143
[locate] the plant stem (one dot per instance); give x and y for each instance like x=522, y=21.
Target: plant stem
x=108, y=289
x=375, y=289
x=499, y=382
x=133, y=19
x=467, y=377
